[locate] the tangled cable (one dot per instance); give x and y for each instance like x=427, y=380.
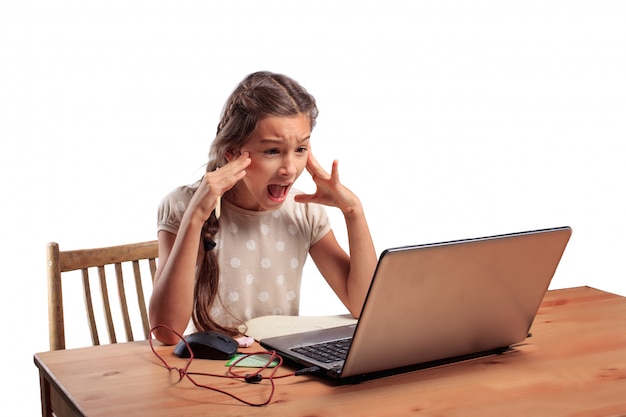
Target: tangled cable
x=255, y=377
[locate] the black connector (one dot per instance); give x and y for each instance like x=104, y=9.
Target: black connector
x=253, y=378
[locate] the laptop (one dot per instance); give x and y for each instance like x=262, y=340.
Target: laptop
x=437, y=303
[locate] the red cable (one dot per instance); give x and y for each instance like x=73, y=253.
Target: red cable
x=249, y=378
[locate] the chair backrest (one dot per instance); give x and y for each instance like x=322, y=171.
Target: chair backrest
x=138, y=256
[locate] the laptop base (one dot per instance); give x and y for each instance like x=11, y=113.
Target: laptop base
x=333, y=377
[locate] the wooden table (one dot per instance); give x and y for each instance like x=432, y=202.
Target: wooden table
x=573, y=365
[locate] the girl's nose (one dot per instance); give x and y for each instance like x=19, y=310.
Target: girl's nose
x=288, y=167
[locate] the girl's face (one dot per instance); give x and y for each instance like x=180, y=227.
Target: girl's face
x=279, y=148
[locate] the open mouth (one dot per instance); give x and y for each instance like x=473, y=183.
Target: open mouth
x=278, y=191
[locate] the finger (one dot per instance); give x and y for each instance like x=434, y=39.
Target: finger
x=334, y=173
x=311, y=162
x=225, y=177
x=314, y=168
x=242, y=161
x=303, y=198
x=235, y=167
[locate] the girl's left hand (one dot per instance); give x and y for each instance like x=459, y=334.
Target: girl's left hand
x=330, y=191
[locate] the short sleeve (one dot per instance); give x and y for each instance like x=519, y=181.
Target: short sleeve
x=318, y=221
x=172, y=207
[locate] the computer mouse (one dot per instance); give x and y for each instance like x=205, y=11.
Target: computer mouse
x=208, y=345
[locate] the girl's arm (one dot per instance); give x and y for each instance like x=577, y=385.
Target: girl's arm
x=171, y=303
x=348, y=275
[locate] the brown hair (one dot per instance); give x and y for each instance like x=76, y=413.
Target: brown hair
x=259, y=95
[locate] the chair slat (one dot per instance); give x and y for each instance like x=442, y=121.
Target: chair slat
x=121, y=291
x=106, y=304
x=141, y=299
x=91, y=317
x=152, y=263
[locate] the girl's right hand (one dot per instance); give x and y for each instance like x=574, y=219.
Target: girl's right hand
x=215, y=183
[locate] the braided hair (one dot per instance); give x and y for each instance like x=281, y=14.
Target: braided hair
x=259, y=95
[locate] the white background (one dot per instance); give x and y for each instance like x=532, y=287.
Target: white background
x=450, y=119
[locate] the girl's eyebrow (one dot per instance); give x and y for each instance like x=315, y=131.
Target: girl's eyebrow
x=279, y=140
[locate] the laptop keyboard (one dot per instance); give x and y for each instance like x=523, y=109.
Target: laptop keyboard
x=326, y=352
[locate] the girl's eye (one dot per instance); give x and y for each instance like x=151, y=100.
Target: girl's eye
x=271, y=151
x=301, y=149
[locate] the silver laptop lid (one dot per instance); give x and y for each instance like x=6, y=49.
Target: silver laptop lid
x=430, y=302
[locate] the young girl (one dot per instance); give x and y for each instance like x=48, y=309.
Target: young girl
x=232, y=246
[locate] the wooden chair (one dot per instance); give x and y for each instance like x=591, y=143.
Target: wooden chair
x=139, y=256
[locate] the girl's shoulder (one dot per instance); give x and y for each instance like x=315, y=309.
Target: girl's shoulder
x=182, y=193
x=173, y=206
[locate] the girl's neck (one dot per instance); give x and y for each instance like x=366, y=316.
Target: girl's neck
x=239, y=197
